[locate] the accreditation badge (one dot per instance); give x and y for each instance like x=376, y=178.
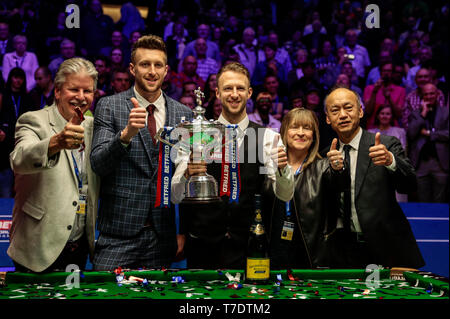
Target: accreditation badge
x=287, y=231
x=81, y=209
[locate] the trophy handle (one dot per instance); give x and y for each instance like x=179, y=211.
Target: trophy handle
x=159, y=138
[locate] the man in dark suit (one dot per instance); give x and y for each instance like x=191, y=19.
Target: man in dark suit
x=217, y=233
x=372, y=228
x=133, y=232
x=428, y=135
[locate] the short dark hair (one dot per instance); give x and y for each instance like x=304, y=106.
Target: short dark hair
x=45, y=70
x=152, y=42
x=121, y=70
x=101, y=58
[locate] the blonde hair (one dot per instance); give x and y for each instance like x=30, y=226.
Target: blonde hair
x=302, y=116
x=235, y=67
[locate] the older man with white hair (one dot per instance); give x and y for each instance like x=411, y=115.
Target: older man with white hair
x=56, y=198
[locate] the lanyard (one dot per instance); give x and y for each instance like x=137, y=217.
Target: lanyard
x=16, y=105
x=77, y=173
x=42, y=101
x=288, y=203
x=300, y=167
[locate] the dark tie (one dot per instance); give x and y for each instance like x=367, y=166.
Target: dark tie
x=347, y=192
x=151, y=123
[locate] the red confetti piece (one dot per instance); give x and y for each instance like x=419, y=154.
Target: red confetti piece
x=289, y=273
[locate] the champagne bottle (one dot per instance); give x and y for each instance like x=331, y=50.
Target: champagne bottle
x=258, y=261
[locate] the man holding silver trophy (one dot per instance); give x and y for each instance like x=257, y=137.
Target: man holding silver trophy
x=217, y=227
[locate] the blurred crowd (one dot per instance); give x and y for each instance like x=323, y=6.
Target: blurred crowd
x=295, y=51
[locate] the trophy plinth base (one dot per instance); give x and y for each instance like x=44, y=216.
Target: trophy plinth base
x=200, y=200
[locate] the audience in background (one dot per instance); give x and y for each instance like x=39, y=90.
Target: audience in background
x=21, y=58
x=385, y=124
x=428, y=133
x=297, y=56
x=43, y=93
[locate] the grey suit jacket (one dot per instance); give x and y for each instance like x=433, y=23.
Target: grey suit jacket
x=129, y=175
x=440, y=136
x=46, y=191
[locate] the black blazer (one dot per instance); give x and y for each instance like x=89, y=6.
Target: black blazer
x=387, y=231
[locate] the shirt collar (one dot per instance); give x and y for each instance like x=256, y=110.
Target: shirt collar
x=354, y=143
x=159, y=103
x=242, y=124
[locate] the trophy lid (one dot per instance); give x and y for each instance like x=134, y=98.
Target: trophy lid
x=199, y=122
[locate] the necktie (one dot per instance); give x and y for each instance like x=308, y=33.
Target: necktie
x=347, y=191
x=151, y=123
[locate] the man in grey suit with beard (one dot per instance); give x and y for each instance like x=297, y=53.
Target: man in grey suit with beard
x=56, y=198
x=133, y=232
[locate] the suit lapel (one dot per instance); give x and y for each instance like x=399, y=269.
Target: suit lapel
x=57, y=123
x=170, y=114
x=363, y=161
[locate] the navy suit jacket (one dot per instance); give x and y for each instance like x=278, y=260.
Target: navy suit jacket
x=129, y=174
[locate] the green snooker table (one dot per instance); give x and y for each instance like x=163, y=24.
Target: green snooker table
x=223, y=284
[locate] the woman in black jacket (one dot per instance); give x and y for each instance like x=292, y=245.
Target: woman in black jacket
x=299, y=230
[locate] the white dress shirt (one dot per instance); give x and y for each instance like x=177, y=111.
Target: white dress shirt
x=79, y=223
x=282, y=184
x=160, y=108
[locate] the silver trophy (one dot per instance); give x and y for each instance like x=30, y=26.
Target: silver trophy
x=204, y=137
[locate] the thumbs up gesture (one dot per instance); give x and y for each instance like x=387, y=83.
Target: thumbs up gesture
x=136, y=121
x=71, y=137
x=335, y=157
x=379, y=153
x=278, y=153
